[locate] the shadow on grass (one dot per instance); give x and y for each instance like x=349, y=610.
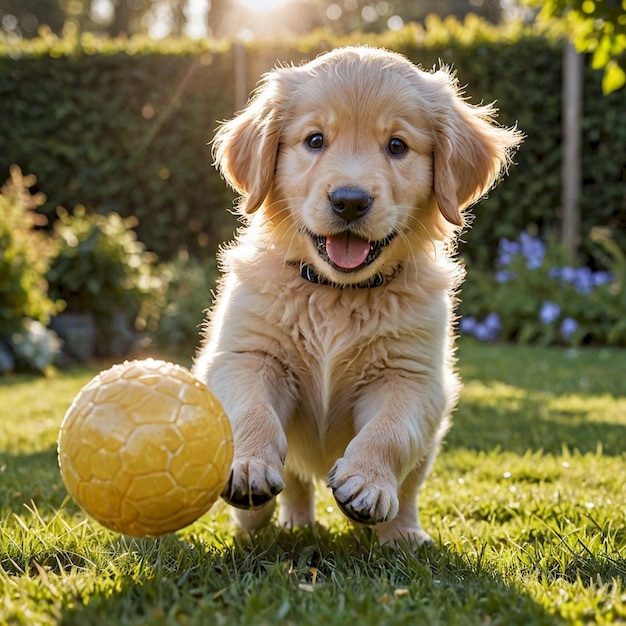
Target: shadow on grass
x=302, y=577
x=76, y=372
x=521, y=398
x=556, y=371
x=31, y=478
x=526, y=423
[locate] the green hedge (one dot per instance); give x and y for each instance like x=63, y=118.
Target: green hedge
x=122, y=132
x=124, y=126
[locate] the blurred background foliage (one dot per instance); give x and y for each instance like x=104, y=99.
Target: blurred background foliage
x=111, y=105
x=597, y=27
x=227, y=18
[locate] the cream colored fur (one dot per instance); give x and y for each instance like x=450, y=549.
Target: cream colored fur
x=352, y=385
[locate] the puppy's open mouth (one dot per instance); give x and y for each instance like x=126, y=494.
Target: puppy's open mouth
x=347, y=252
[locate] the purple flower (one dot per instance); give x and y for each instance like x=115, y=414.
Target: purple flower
x=468, y=324
x=487, y=330
x=568, y=274
x=583, y=280
x=492, y=322
x=503, y=276
x=506, y=251
x=549, y=312
x=533, y=250
x=482, y=333
x=602, y=278
x=568, y=327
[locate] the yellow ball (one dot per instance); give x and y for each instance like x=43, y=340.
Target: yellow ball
x=145, y=448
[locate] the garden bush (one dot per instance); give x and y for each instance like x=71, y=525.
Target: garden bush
x=27, y=252
x=123, y=131
x=103, y=271
x=171, y=319
x=25, y=305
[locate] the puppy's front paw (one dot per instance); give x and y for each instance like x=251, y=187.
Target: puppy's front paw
x=362, y=496
x=252, y=483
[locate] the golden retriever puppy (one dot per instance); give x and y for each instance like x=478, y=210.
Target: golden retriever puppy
x=330, y=345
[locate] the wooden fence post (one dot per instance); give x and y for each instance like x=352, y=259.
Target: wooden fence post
x=571, y=165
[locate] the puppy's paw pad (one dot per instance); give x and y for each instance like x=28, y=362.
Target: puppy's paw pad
x=252, y=483
x=364, y=498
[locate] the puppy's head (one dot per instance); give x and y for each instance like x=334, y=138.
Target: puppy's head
x=358, y=157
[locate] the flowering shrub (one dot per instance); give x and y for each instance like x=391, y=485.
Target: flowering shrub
x=89, y=263
x=172, y=317
x=25, y=255
x=533, y=296
x=26, y=252
x=101, y=269
x=35, y=346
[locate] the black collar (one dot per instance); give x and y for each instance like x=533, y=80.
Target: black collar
x=378, y=280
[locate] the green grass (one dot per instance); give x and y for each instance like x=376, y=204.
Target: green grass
x=527, y=503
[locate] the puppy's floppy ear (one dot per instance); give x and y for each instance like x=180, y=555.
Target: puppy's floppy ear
x=471, y=151
x=245, y=148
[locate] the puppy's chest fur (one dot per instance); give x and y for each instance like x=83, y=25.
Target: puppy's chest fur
x=334, y=349
x=339, y=343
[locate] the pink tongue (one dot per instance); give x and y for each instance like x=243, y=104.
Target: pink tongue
x=347, y=251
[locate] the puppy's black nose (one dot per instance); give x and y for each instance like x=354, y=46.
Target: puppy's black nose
x=350, y=203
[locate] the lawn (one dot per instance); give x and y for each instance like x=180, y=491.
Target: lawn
x=527, y=505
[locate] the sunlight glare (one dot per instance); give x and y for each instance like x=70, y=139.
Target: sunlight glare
x=262, y=6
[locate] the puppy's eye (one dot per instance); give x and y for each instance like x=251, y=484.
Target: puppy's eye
x=315, y=141
x=396, y=147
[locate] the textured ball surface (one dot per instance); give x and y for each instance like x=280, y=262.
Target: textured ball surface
x=145, y=448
